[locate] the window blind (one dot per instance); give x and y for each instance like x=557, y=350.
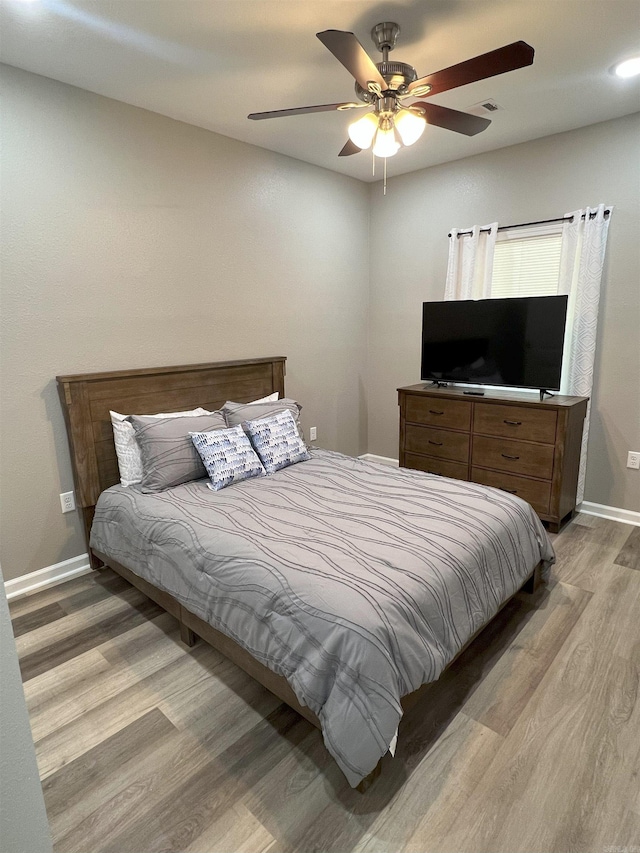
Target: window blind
x=526, y=266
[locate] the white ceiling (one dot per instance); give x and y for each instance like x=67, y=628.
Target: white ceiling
x=211, y=62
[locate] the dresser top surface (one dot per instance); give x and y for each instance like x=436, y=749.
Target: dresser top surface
x=521, y=398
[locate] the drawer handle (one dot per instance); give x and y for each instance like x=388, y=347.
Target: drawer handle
x=513, y=423
x=506, y=456
x=434, y=412
x=511, y=491
x=433, y=472
x=439, y=444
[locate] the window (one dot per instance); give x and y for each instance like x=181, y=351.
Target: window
x=526, y=262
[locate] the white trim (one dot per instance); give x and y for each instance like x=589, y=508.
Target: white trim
x=613, y=513
x=382, y=460
x=49, y=576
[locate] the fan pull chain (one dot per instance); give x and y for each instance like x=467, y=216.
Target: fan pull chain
x=384, y=191
x=373, y=164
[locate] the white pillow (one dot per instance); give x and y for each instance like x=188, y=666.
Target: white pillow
x=270, y=399
x=127, y=450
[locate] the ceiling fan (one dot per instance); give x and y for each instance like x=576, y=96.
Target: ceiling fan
x=384, y=87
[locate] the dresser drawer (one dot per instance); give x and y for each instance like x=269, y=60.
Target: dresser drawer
x=437, y=442
x=535, y=492
x=449, y=414
x=516, y=422
x=516, y=457
x=442, y=467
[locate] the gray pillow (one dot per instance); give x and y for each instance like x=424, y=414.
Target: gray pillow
x=168, y=455
x=237, y=413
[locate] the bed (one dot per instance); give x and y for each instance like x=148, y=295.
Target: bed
x=341, y=585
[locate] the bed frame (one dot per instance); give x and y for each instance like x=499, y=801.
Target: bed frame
x=86, y=400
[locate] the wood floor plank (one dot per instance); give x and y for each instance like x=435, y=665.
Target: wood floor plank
x=127, y=650
x=99, y=687
x=505, y=691
x=213, y=702
x=579, y=737
x=106, y=584
x=123, y=799
x=75, y=643
x=612, y=616
x=71, y=624
x=99, y=723
x=435, y=796
x=181, y=817
x=582, y=552
x=33, y=619
x=237, y=830
x=73, y=674
x=125, y=796
x=602, y=774
x=78, y=779
x=52, y=595
x=629, y=555
x=295, y=792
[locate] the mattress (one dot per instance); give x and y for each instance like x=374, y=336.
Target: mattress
x=355, y=581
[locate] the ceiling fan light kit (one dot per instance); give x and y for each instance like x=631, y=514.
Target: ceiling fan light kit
x=410, y=125
x=386, y=143
x=383, y=87
x=361, y=132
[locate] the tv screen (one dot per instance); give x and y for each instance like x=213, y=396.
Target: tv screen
x=516, y=342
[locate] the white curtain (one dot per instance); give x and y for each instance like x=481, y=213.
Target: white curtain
x=584, y=239
x=470, y=265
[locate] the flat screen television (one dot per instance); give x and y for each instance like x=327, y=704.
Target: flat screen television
x=512, y=342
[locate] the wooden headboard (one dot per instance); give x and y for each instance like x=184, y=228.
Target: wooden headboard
x=87, y=398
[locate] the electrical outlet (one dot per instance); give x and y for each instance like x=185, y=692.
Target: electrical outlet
x=313, y=434
x=67, y=502
x=633, y=459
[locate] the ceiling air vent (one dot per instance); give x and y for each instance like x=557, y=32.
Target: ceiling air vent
x=485, y=107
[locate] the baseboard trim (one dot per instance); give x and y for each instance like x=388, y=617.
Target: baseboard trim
x=613, y=513
x=49, y=576
x=382, y=460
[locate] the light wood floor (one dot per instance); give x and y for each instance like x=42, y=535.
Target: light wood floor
x=530, y=742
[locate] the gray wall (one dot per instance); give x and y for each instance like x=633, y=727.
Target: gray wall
x=131, y=240
x=23, y=819
x=536, y=180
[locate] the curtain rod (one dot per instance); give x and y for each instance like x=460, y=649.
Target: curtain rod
x=526, y=224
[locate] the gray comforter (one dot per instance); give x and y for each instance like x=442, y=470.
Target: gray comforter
x=357, y=582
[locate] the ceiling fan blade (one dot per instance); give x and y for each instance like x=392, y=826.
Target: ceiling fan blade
x=296, y=111
x=453, y=119
x=499, y=61
x=347, y=49
x=349, y=148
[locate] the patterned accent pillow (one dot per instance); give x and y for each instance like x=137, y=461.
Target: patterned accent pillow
x=277, y=441
x=238, y=413
x=228, y=456
x=168, y=455
x=127, y=449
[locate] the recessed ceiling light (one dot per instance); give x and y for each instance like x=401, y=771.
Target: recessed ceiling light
x=628, y=68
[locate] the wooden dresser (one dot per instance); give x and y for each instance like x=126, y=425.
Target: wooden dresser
x=502, y=439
